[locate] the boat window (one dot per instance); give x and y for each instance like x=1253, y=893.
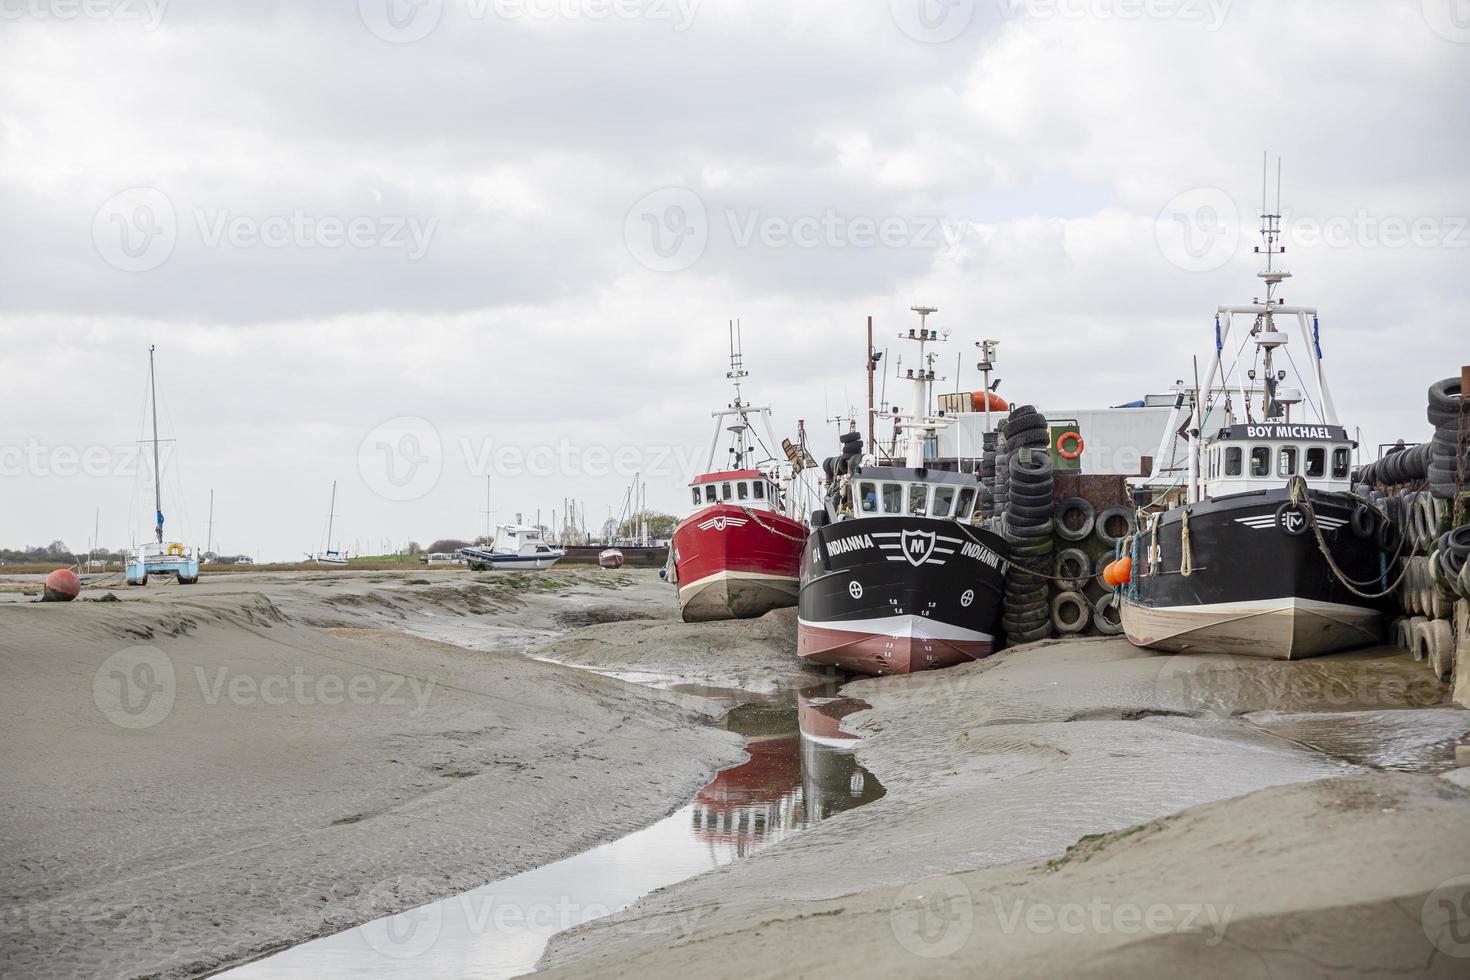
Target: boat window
x=709, y=493
x=724, y=491
x=962, y=509
x=696, y=496
x=759, y=490
x=1316, y=463
x=943, y=501
x=1232, y=461
x=1260, y=461
x=869, y=497
x=743, y=490
x=1286, y=461
x=1340, y=463
x=918, y=499
x=893, y=498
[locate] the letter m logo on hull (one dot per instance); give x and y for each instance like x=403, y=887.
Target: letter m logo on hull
x=917, y=546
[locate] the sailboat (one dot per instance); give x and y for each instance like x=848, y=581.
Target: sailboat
x=160, y=557
x=336, y=558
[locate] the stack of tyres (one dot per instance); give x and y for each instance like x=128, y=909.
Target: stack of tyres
x=987, y=475
x=1002, y=473
x=1449, y=464
x=1030, y=500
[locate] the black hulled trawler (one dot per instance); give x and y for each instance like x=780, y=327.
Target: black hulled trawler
x=1269, y=554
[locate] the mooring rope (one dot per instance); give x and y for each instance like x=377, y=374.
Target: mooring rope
x=1297, y=492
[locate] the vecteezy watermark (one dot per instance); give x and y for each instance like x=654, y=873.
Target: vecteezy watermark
x=1446, y=917
x=137, y=687
x=310, y=690
x=933, y=918
x=833, y=230
x=136, y=230
x=1210, y=13
x=401, y=459
x=569, y=459
x=667, y=230
x=1202, y=229
x=1450, y=19
x=407, y=21
x=481, y=913
x=1198, y=230
x=932, y=21
x=1227, y=685
x=1104, y=918
x=148, y=14
x=38, y=459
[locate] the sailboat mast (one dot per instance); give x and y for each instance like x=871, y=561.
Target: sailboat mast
x=157, y=484
x=331, y=513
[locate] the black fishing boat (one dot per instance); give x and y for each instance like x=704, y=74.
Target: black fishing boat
x=1269, y=554
x=894, y=577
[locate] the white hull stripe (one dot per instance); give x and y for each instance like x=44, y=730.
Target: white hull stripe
x=917, y=627
x=1269, y=520
x=700, y=583
x=1264, y=606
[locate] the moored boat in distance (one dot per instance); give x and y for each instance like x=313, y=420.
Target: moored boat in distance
x=738, y=554
x=1269, y=554
x=895, y=577
x=331, y=557
x=160, y=557
x=515, y=546
x=610, y=558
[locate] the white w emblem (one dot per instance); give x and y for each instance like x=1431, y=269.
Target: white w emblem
x=917, y=546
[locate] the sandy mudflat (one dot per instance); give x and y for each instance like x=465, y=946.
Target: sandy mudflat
x=192, y=776
x=994, y=771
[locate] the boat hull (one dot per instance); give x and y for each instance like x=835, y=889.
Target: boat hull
x=732, y=562
x=1256, y=590
x=611, y=559
x=896, y=595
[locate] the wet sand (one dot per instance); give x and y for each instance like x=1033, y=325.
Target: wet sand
x=995, y=770
x=194, y=776
x=1077, y=806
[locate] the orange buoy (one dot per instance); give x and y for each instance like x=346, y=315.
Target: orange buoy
x=979, y=398
x=1109, y=570
x=62, y=585
x=1125, y=570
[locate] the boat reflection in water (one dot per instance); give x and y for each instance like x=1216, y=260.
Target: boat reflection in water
x=801, y=771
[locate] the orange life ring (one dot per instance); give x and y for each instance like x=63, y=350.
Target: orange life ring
x=1073, y=454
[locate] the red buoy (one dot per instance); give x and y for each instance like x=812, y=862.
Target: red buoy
x=62, y=585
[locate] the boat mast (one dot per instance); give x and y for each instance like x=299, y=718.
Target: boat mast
x=331, y=512
x=916, y=426
x=736, y=374
x=157, y=484
x=1268, y=338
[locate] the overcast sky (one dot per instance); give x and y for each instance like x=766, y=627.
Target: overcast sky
x=406, y=245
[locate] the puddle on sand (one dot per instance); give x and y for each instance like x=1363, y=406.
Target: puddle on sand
x=801, y=770
x=1415, y=740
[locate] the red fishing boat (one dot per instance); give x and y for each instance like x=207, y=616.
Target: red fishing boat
x=738, y=554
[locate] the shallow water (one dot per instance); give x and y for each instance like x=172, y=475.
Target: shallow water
x=801, y=770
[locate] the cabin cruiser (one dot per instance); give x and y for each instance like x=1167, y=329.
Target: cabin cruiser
x=515, y=546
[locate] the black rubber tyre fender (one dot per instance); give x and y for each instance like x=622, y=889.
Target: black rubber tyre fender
x=1072, y=567
x=1362, y=521
x=1106, y=516
x=1039, y=468
x=819, y=519
x=1029, y=512
x=1389, y=537
x=1077, y=622
x=1042, y=632
x=1106, y=615
x=1284, y=527
x=1074, y=505
x=850, y=437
